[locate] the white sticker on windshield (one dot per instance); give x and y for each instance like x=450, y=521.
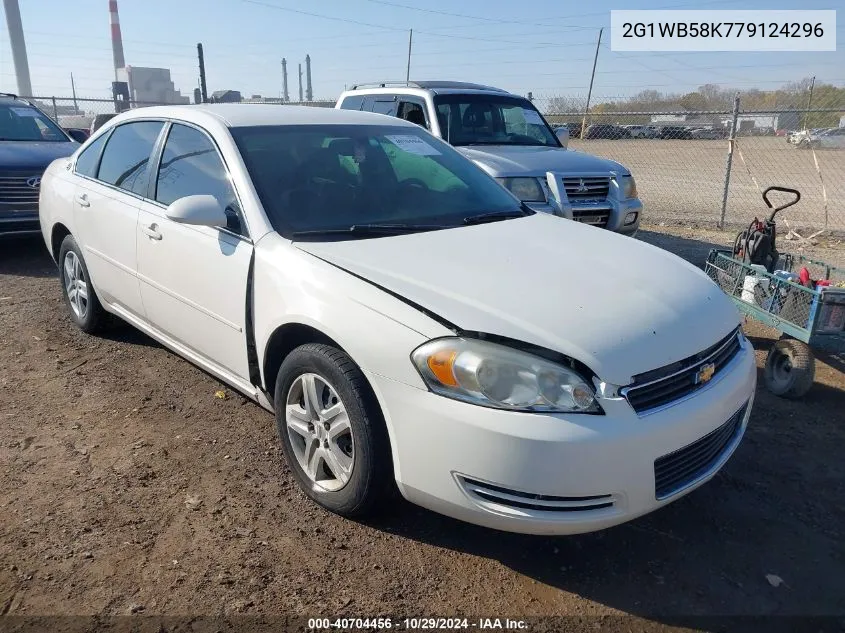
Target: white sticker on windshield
x=412, y=144
x=26, y=112
x=532, y=117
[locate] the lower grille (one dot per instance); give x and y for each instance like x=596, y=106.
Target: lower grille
x=663, y=386
x=15, y=191
x=586, y=188
x=514, y=499
x=676, y=471
x=591, y=217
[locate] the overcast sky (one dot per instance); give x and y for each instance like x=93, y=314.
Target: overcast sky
x=543, y=46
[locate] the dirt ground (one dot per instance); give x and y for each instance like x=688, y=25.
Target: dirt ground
x=126, y=486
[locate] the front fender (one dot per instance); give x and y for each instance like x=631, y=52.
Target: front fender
x=377, y=330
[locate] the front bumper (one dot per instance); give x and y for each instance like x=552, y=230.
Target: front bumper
x=19, y=223
x=591, y=471
x=608, y=213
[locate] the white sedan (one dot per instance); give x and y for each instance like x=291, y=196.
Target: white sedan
x=408, y=321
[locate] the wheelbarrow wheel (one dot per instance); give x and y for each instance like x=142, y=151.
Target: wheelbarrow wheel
x=790, y=368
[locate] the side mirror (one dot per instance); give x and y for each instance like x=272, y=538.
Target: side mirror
x=200, y=210
x=562, y=134
x=80, y=136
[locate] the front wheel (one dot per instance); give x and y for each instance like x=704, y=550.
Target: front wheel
x=790, y=368
x=332, y=431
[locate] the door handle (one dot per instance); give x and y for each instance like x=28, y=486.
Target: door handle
x=151, y=232
x=82, y=200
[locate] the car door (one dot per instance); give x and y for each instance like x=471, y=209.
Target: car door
x=113, y=175
x=193, y=279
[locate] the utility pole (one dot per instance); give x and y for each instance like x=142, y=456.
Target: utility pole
x=408, y=71
x=73, y=90
x=590, y=91
x=203, y=90
x=809, y=101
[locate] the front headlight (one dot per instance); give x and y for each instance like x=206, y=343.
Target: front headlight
x=629, y=187
x=526, y=189
x=497, y=376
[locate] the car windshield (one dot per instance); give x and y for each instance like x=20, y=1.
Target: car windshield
x=483, y=119
x=365, y=179
x=22, y=122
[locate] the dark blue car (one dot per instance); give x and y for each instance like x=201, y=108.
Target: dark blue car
x=29, y=142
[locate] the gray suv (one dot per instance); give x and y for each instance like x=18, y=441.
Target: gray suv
x=507, y=137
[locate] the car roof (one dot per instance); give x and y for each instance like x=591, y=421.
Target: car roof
x=8, y=96
x=253, y=114
x=434, y=86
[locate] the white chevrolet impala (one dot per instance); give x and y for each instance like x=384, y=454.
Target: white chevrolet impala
x=407, y=321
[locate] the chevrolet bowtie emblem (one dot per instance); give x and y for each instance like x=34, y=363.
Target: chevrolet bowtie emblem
x=705, y=373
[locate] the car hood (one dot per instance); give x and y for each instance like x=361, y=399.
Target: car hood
x=518, y=160
x=33, y=155
x=618, y=305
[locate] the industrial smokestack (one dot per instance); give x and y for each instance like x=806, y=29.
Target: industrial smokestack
x=285, y=96
x=18, y=45
x=309, y=94
x=300, y=83
x=116, y=39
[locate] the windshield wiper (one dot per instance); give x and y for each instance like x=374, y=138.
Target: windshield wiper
x=495, y=216
x=370, y=229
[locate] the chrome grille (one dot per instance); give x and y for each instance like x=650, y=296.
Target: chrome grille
x=663, y=386
x=586, y=188
x=15, y=193
x=491, y=494
x=598, y=217
x=677, y=470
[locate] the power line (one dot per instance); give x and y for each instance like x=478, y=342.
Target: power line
x=471, y=17
x=324, y=17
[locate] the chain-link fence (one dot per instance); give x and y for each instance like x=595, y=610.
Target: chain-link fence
x=712, y=165
x=72, y=112
x=706, y=165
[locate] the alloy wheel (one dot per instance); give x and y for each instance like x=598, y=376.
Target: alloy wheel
x=320, y=432
x=76, y=286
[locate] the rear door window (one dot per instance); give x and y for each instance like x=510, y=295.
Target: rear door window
x=382, y=104
x=126, y=157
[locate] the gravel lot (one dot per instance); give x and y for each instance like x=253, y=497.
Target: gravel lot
x=126, y=486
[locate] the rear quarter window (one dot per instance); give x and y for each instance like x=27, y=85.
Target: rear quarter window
x=89, y=160
x=354, y=102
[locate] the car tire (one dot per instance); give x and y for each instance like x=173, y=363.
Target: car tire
x=342, y=462
x=81, y=300
x=790, y=368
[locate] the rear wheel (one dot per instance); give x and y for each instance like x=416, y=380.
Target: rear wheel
x=790, y=368
x=82, y=302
